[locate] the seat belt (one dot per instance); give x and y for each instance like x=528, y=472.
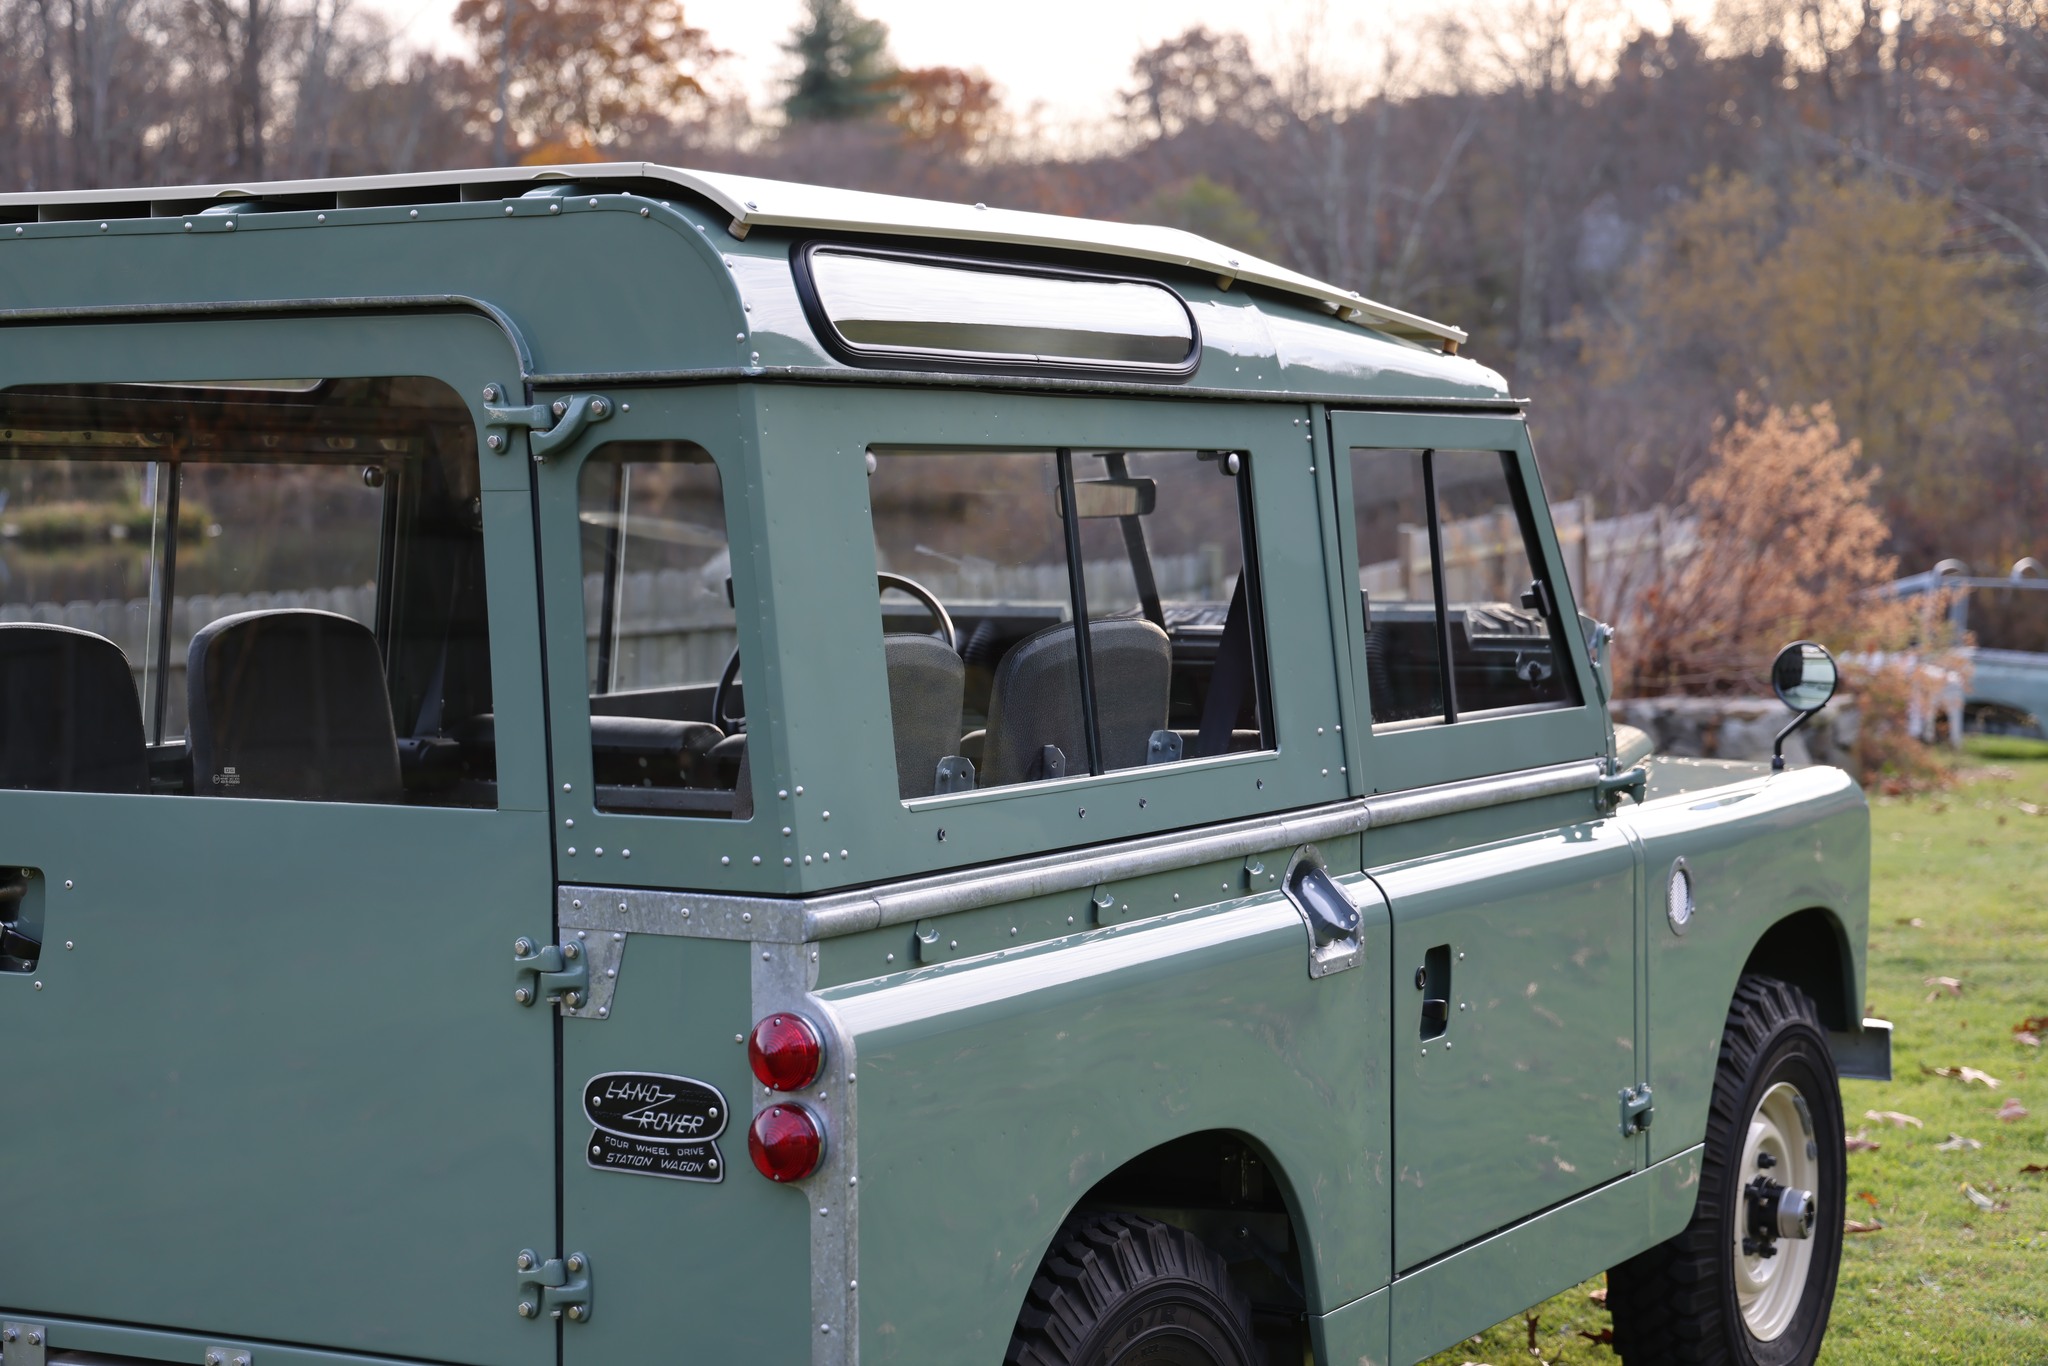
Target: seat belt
x=1230, y=676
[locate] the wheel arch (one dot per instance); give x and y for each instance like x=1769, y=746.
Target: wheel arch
x=1810, y=949
x=1227, y=1188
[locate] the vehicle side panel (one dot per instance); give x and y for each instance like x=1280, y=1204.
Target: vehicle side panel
x=994, y=1093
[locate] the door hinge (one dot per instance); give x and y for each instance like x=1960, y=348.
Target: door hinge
x=554, y=1289
x=558, y=973
x=548, y=425
x=1636, y=1110
x=1635, y=782
x=23, y=1344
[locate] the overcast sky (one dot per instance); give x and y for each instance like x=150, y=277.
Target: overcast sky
x=1071, y=56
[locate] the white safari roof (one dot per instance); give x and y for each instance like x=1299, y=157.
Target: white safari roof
x=750, y=202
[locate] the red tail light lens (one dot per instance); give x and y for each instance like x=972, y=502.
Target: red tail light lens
x=786, y=1052
x=785, y=1142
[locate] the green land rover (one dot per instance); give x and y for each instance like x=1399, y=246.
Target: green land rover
x=410, y=956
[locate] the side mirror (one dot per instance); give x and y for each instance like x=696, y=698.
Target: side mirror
x=1805, y=677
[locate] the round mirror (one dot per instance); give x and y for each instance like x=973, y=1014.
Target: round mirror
x=1805, y=676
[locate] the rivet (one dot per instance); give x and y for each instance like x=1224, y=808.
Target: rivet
x=826, y=816
x=1326, y=773
x=739, y=336
x=19, y=231
x=319, y=218
x=764, y=955
x=231, y=225
x=413, y=214
x=69, y=945
x=509, y=211
x=826, y=856
x=572, y=851
x=799, y=789
x=954, y=944
x=554, y=208
x=785, y=832
x=39, y=986
x=625, y=853
x=891, y=958
x=739, y=1038
x=593, y=203
x=598, y=851
x=67, y=884
x=1013, y=931
x=1319, y=730
x=782, y=794
x=807, y=860
x=757, y=860
x=188, y=228
x=570, y=823
x=842, y=853
x=489, y=395
x=643, y=213
x=788, y=862
x=575, y=905
x=103, y=227
x=725, y=860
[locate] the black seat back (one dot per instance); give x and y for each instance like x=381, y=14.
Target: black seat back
x=1036, y=699
x=292, y=704
x=70, y=720
x=927, y=691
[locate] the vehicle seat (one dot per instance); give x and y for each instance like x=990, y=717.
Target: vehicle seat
x=927, y=692
x=291, y=704
x=70, y=720
x=1036, y=699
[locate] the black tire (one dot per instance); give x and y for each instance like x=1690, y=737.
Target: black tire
x=1117, y=1289
x=1678, y=1301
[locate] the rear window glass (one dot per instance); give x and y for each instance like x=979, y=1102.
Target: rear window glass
x=244, y=590
x=880, y=306
x=984, y=574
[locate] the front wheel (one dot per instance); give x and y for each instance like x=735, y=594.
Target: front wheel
x=1120, y=1290
x=1751, y=1279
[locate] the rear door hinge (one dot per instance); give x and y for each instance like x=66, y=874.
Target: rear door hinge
x=557, y=1288
x=558, y=973
x=1636, y=1110
x=23, y=1344
x=549, y=426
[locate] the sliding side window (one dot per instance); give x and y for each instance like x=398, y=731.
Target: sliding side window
x=988, y=560
x=668, y=714
x=244, y=589
x=1459, y=619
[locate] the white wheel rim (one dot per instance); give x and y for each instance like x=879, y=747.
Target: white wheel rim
x=1768, y=1289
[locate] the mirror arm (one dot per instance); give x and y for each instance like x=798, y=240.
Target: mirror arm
x=1778, y=745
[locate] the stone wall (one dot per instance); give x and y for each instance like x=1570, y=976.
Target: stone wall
x=1742, y=728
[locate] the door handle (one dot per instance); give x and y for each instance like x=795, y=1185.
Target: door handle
x=21, y=943
x=1433, y=980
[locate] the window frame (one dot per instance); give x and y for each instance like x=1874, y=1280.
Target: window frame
x=1399, y=755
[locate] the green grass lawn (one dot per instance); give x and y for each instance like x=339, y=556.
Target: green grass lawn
x=1959, y=891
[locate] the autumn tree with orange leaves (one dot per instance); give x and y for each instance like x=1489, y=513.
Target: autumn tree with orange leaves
x=570, y=79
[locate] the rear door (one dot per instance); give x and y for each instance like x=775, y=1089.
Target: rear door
x=268, y=1080
x=1514, y=926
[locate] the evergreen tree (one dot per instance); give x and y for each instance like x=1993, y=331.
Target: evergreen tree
x=843, y=67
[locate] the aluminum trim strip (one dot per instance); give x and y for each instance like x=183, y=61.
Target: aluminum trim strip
x=787, y=920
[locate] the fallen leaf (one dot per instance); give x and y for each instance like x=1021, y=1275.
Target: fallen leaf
x=1867, y=1198
x=1893, y=1117
x=2032, y=1167
x=2028, y=808
x=2027, y=1037
x=1597, y=1296
x=2012, y=1110
x=1859, y=1142
x=1981, y=1200
x=1913, y=922
x=1952, y=985
x=2033, y=1024
x=1605, y=1335
x=1858, y=1226
x=1965, y=1075
x=1958, y=1144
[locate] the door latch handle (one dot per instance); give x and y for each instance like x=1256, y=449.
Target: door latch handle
x=1436, y=1011
x=556, y=1288
x=553, y=972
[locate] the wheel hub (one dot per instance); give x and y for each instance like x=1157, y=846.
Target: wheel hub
x=1780, y=1171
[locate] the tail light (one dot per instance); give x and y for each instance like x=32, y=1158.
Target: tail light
x=786, y=1142
x=786, y=1052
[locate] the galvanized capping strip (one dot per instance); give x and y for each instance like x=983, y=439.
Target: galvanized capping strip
x=785, y=920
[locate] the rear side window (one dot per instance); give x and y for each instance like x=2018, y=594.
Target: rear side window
x=261, y=589
x=668, y=715
x=1459, y=619
x=988, y=560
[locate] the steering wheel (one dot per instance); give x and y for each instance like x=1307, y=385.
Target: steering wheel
x=722, y=694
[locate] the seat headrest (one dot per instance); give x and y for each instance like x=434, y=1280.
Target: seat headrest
x=927, y=692
x=1036, y=698
x=290, y=704
x=70, y=720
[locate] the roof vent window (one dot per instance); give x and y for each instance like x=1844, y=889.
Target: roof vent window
x=894, y=309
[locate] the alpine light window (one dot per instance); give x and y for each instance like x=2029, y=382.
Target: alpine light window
x=876, y=307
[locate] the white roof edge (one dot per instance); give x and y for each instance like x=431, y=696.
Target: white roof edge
x=753, y=202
